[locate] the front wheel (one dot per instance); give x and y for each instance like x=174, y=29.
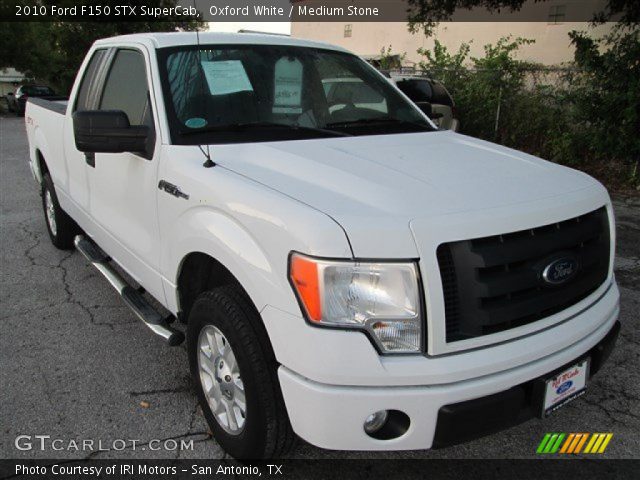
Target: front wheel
x=234, y=369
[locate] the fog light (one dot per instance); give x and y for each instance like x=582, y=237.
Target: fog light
x=375, y=421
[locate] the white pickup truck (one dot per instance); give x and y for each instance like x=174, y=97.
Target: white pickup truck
x=353, y=276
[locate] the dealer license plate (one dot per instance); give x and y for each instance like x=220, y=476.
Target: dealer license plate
x=565, y=387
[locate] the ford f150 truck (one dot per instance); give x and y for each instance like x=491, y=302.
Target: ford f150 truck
x=352, y=275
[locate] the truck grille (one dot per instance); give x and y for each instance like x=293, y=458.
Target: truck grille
x=496, y=283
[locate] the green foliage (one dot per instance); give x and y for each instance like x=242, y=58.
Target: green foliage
x=606, y=95
x=389, y=60
x=587, y=115
x=52, y=51
x=449, y=68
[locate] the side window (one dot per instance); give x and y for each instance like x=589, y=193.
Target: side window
x=126, y=87
x=82, y=102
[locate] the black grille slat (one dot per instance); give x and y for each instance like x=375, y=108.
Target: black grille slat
x=533, y=300
x=534, y=245
x=494, y=283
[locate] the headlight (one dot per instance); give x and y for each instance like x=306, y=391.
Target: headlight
x=381, y=298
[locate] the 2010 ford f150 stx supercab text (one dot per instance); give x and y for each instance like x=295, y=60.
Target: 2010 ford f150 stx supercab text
x=346, y=272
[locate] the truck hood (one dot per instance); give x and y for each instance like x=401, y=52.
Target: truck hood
x=372, y=185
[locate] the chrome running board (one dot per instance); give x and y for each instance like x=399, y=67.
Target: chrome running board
x=132, y=297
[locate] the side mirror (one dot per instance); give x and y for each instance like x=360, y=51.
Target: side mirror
x=108, y=131
x=426, y=108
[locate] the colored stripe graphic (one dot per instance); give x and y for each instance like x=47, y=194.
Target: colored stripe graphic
x=598, y=442
x=551, y=443
x=556, y=445
x=552, y=440
x=592, y=440
x=581, y=443
x=567, y=443
x=578, y=437
x=573, y=443
x=606, y=441
x=543, y=443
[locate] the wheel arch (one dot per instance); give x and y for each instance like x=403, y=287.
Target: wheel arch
x=207, y=247
x=199, y=272
x=40, y=165
x=40, y=153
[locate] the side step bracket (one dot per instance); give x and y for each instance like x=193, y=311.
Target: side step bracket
x=131, y=296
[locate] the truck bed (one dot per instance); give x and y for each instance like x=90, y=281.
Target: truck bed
x=55, y=104
x=45, y=121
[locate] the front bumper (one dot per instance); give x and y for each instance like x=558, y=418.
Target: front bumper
x=332, y=417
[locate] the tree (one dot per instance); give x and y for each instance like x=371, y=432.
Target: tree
x=607, y=94
x=53, y=51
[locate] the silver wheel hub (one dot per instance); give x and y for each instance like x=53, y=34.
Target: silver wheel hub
x=50, y=212
x=220, y=380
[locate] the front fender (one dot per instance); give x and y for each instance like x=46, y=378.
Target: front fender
x=246, y=226
x=212, y=232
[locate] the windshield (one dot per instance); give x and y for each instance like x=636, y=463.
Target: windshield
x=250, y=93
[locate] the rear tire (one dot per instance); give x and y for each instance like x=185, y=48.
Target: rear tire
x=261, y=429
x=61, y=227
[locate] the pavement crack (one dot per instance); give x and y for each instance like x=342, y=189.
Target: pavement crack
x=28, y=252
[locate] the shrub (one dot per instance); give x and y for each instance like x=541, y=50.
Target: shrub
x=584, y=114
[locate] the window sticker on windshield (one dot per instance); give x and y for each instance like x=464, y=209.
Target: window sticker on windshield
x=288, y=86
x=196, y=122
x=226, y=76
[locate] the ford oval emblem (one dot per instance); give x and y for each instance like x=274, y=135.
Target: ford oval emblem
x=564, y=387
x=560, y=270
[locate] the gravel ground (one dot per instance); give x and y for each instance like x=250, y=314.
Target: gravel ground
x=76, y=364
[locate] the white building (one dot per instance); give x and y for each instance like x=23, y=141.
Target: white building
x=552, y=43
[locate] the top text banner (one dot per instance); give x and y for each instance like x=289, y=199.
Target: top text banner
x=347, y=11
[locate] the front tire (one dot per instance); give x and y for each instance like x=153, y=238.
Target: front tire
x=235, y=373
x=61, y=227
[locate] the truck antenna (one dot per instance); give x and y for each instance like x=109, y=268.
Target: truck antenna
x=208, y=162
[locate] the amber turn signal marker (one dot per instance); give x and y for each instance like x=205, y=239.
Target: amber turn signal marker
x=304, y=275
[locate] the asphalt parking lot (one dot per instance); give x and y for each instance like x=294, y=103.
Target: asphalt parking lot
x=76, y=364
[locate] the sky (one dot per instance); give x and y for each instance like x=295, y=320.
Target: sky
x=268, y=27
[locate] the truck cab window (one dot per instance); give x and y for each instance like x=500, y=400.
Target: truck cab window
x=126, y=87
x=84, y=99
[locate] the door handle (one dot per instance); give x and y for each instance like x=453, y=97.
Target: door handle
x=172, y=189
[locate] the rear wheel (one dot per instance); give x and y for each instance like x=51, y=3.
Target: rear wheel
x=61, y=227
x=234, y=369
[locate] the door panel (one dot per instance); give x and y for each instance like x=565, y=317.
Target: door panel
x=123, y=186
x=78, y=187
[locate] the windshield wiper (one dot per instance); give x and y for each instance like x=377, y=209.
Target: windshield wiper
x=238, y=127
x=379, y=121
